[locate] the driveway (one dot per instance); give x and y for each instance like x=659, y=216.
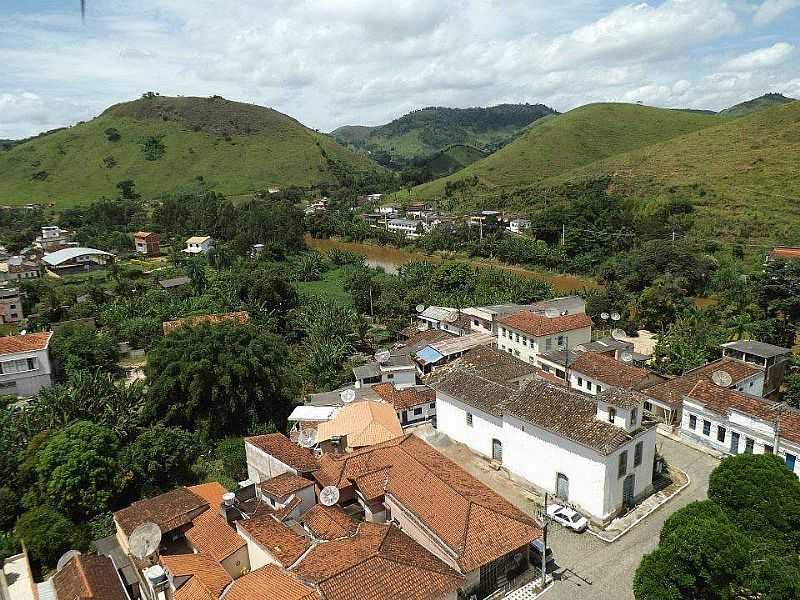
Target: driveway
x=592, y=569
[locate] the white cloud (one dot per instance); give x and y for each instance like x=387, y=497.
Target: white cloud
x=770, y=10
x=762, y=58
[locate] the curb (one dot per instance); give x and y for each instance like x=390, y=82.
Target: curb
x=645, y=515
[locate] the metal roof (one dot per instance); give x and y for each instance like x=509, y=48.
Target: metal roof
x=462, y=343
x=761, y=349
x=311, y=413
x=61, y=256
x=429, y=355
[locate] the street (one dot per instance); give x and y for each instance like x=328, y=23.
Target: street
x=589, y=568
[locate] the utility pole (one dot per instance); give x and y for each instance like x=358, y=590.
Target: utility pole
x=480, y=221
x=371, y=314
x=563, y=234
x=544, y=540
x=673, y=235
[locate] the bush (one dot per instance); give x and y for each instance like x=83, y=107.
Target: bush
x=231, y=453
x=9, y=507
x=47, y=534
x=161, y=458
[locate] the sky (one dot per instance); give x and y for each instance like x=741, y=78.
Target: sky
x=343, y=62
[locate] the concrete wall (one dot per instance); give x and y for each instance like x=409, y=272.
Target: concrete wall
x=27, y=383
x=643, y=474
x=262, y=466
x=408, y=418
x=451, y=419
x=527, y=347
x=238, y=563
x=400, y=379
x=257, y=555
x=761, y=432
x=752, y=385
x=413, y=529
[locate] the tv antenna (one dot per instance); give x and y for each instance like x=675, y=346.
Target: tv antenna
x=722, y=378
x=626, y=357
x=65, y=558
x=420, y=308
x=383, y=356
x=348, y=396
x=618, y=334
x=308, y=438
x=329, y=495
x=452, y=317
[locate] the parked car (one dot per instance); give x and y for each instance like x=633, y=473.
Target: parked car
x=567, y=517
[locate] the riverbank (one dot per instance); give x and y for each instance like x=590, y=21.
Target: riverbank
x=391, y=259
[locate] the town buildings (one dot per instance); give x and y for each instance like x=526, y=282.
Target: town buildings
x=76, y=260
x=16, y=268
x=599, y=452
x=52, y=238
x=11, y=305
x=147, y=243
x=772, y=359
x=394, y=366
x=24, y=364
x=527, y=333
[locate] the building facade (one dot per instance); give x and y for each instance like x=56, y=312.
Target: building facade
x=11, y=306
x=147, y=243
x=24, y=364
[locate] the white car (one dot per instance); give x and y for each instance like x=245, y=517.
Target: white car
x=567, y=517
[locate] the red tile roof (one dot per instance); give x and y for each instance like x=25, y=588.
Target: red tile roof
x=241, y=317
x=329, y=522
x=610, y=371
x=279, y=446
x=379, y=563
x=785, y=252
x=789, y=425
x=206, y=572
x=211, y=534
x=282, y=543
x=211, y=492
x=270, y=583
x=477, y=524
x=89, y=577
x=169, y=511
x=30, y=342
x=538, y=325
x=405, y=398
x=671, y=392
x=723, y=400
x=284, y=484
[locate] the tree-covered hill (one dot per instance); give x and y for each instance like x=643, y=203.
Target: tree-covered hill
x=165, y=144
x=424, y=132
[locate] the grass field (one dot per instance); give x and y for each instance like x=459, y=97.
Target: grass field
x=330, y=287
x=574, y=139
x=80, y=164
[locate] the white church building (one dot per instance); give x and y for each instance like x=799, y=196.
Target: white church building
x=592, y=452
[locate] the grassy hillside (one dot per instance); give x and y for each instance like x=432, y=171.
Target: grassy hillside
x=452, y=159
x=165, y=144
x=755, y=105
x=742, y=175
x=424, y=132
x=574, y=139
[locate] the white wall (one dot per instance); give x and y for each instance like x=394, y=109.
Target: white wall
x=451, y=419
x=643, y=474
x=528, y=346
x=761, y=432
x=400, y=378
x=262, y=466
x=27, y=383
x=258, y=556
x=752, y=385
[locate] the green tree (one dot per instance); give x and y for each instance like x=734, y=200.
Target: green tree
x=230, y=452
x=81, y=347
x=761, y=496
x=162, y=457
x=47, y=534
x=663, y=302
x=9, y=507
x=220, y=379
x=78, y=471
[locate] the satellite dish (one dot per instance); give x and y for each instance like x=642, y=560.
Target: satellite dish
x=722, y=378
x=422, y=327
x=329, y=495
x=618, y=334
x=452, y=317
x=382, y=356
x=615, y=316
x=144, y=541
x=308, y=438
x=65, y=558
x=626, y=357
x=420, y=308
x=604, y=316
x=551, y=313
x=348, y=395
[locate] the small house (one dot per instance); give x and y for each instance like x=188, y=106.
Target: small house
x=199, y=244
x=147, y=243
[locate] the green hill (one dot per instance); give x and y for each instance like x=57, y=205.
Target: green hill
x=165, y=144
x=742, y=174
x=424, y=132
x=452, y=159
x=756, y=104
x=568, y=141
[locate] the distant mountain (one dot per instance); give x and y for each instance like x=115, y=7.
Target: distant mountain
x=565, y=142
x=165, y=144
x=422, y=133
x=452, y=159
x=756, y=104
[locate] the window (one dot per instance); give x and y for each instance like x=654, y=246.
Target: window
x=390, y=376
x=548, y=344
x=748, y=445
x=623, y=464
x=417, y=411
x=433, y=405
x=648, y=406
x=706, y=427
x=560, y=374
x=721, y=431
x=768, y=449
x=469, y=419
x=31, y=364
x=475, y=322
x=599, y=389
x=580, y=381
x=561, y=340
x=589, y=385
x=692, y=422
x=791, y=459
x=637, y=454
x=612, y=413
x=546, y=368
x=503, y=331
x=516, y=337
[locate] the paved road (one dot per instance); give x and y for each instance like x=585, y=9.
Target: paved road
x=591, y=569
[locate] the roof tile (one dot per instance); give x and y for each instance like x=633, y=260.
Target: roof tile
x=30, y=342
x=278, y=445
x=539, y=325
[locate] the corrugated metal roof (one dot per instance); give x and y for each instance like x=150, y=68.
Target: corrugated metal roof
x=60, y=256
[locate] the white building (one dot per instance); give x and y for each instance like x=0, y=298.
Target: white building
x=527, y=333
x=52, y=235
x=594, y=372
x=274, y=454
x=199, y=244
x=397, y=368
x=773, y=360
x=388, y=209
x=405, y=226
x=593, y=453
x=24, y=364
x=17, y=267
x=733, y=422
x=518, y=225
